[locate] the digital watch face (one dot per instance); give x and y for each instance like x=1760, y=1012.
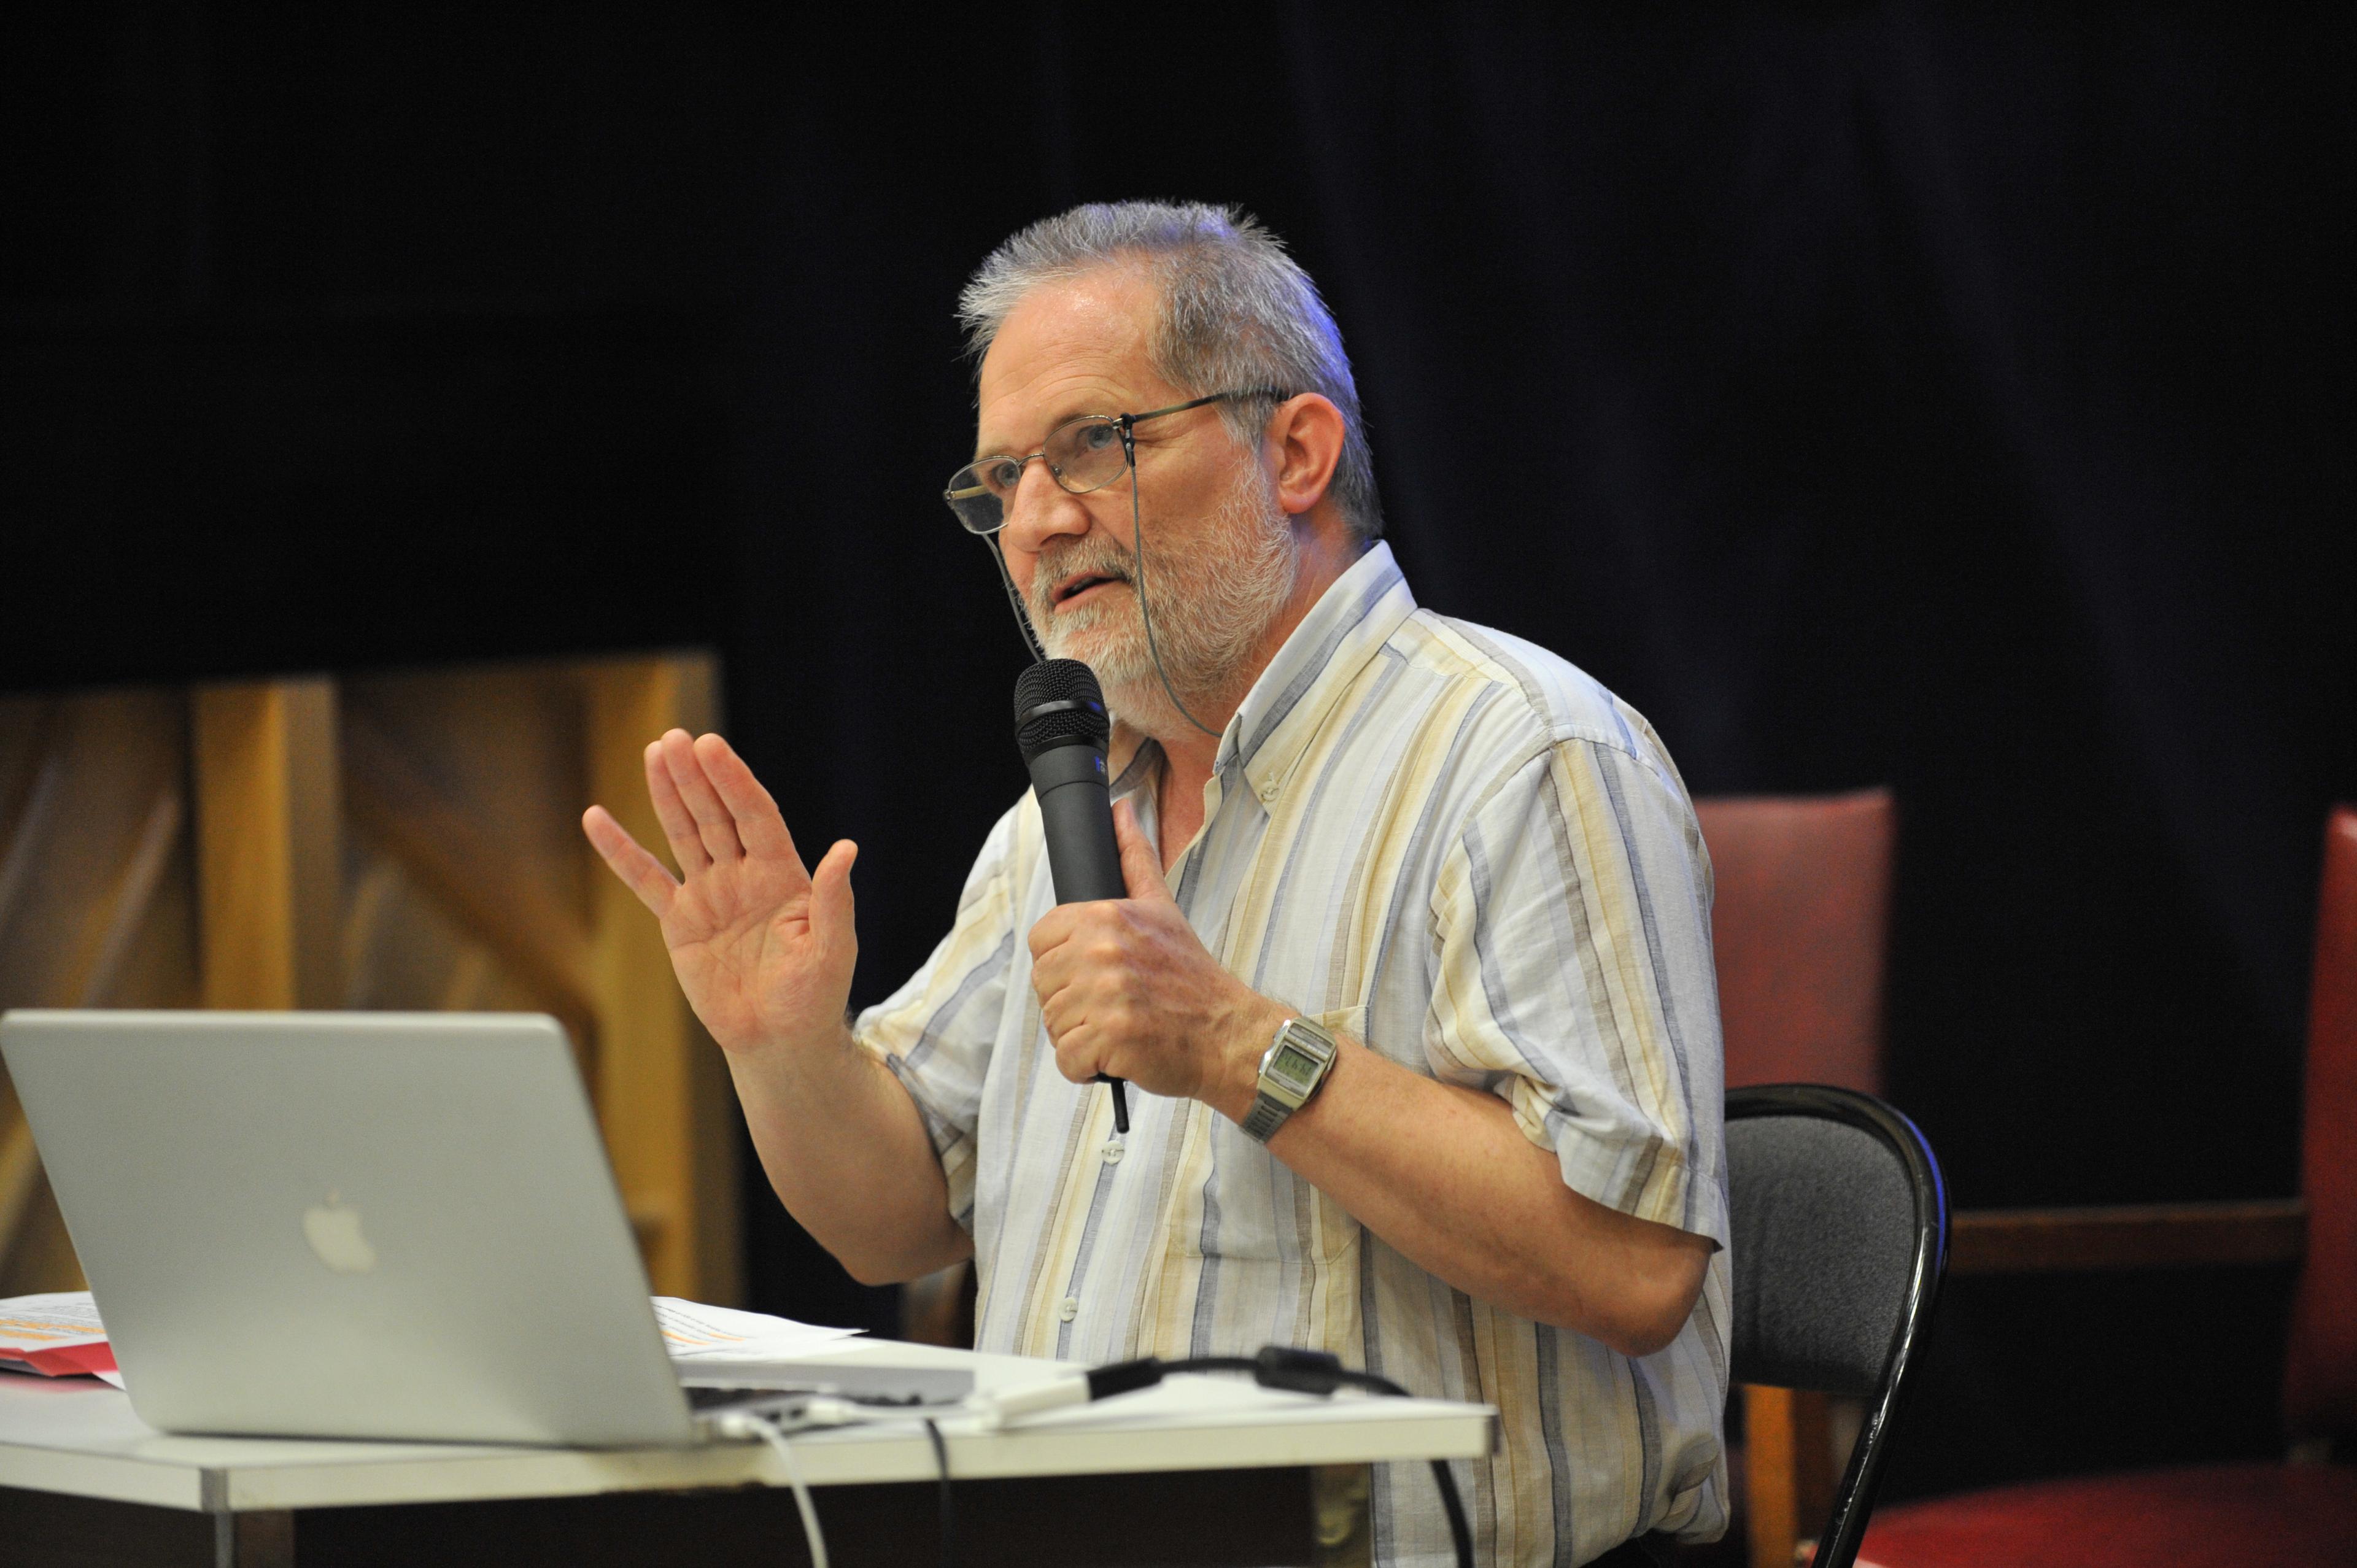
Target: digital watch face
x=1293, y=1064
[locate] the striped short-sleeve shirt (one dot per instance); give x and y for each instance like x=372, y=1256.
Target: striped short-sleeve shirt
x=1455, y=847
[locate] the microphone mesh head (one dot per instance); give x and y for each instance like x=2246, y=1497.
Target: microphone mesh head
x=1058, y=681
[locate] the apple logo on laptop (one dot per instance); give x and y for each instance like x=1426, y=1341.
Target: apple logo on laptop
x=333, y=1228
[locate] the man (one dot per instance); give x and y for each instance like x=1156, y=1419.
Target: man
x=1471, y=873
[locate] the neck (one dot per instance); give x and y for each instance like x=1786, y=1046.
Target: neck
x=1188, y=754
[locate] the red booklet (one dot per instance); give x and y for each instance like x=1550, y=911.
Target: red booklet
x=57, y=1334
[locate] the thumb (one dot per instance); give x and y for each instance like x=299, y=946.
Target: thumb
x=1141, y=860
x=831, y=909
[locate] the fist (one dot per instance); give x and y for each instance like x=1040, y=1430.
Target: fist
x=1127, y=990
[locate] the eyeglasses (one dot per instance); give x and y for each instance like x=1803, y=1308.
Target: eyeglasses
x=1083, y=455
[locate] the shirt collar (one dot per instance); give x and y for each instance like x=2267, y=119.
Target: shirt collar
x=1288, y=705
x=1354, y=617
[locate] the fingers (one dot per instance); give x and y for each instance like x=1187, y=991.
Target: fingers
x=1141, y=858
x=1076, y=1058
x=1081, y=1001
x=714, y=826
x=1078, y=1047
x=1053, y=929
x=678, y=823
x=640, y=872
x=760, y=826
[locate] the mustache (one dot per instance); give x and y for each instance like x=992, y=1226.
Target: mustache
x=1095, y=555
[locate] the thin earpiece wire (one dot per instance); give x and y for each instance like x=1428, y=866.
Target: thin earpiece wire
x=1138, y=548
x=1015, y=600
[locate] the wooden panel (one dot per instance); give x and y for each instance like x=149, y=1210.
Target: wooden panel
x=268, y=866
x=1788, y=1471
x=464, y=883
x=662, y=1090
x=433, y=834
x=20, y=1181
x=2142, y=1236
x=96, y=904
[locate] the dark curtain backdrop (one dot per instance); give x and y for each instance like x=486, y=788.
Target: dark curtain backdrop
x=1947, y=398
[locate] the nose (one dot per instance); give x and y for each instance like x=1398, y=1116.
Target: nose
x=1039, y=510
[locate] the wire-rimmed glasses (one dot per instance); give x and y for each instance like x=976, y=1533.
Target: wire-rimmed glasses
x=1081, y=455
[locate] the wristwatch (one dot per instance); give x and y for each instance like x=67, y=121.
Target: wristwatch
x=1290, y=1071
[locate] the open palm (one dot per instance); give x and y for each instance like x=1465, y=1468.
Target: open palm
x=763, y=948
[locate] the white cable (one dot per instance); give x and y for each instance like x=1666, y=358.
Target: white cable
x=996, y=1408
x=746, y=1424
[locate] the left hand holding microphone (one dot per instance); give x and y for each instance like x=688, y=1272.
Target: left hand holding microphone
x=1126, y=989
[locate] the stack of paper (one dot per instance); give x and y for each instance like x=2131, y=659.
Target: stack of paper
x=701, y=1338
x=57, y=1334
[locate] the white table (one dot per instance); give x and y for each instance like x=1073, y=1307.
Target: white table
x=1200, y=1469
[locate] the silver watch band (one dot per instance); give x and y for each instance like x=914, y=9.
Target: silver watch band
x=1268, y=1114
x=1292, y=1068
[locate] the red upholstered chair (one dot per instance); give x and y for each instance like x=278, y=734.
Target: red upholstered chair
x=2301, y=1513
x=1799, y=928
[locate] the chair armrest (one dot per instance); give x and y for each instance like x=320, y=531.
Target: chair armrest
x=2128, y=1235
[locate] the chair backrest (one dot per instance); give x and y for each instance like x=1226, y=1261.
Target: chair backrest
x=1840, y=1241
x=1799, y=927
x=2321, y=1367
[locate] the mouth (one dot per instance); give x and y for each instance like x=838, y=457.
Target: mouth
x=1079, y=585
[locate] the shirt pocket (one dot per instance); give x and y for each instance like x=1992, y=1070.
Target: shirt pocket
x=1268, y=1214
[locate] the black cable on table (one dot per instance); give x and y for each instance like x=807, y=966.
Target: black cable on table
x=949, y=1510
x=1304, y=1371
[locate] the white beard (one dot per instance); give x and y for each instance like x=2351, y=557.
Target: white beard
x=1212, y=607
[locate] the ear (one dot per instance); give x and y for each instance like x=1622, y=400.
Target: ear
x=1304, y=441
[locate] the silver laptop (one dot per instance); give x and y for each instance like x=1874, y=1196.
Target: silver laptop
x=349, y=1225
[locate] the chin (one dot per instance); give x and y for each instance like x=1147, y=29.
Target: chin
x=1123, y=668
x=1116, y=653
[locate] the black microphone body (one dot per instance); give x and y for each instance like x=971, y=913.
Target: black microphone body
x=1061, y=729
x=1076, y=819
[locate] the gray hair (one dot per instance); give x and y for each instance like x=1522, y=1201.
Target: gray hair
x=1237, y=312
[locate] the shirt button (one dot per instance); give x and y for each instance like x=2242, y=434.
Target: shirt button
x=1111, y=1152
x=1268, y=790
x=1069, y=1308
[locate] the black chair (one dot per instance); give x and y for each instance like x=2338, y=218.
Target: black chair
x=1840, y=1233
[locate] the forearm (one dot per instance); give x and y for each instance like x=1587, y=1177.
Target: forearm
x=845, y=1149
x=1444, y=1174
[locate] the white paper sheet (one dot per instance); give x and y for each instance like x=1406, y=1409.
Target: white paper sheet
x=48, y=1322
x=694, y=1332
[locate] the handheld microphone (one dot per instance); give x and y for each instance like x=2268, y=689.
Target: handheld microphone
x=1061, y=729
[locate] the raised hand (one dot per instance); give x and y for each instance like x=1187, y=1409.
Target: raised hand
x=763, y=948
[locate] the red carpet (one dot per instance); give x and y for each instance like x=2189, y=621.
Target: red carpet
x=2217, y=1516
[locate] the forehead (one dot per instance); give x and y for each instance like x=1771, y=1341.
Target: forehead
x=1079, y=346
